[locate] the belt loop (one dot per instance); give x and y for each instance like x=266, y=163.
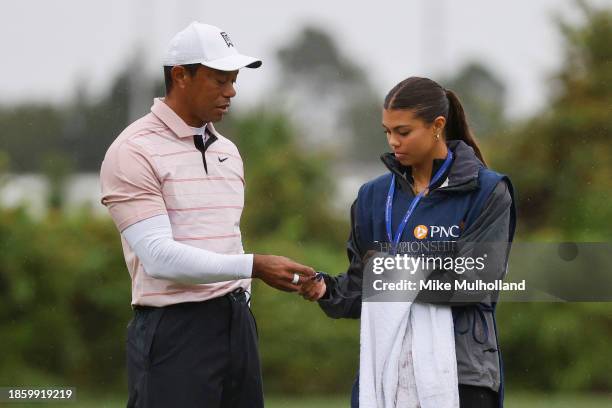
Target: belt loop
x=238, y=295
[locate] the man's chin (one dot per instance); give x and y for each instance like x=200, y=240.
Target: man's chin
x=215, y=117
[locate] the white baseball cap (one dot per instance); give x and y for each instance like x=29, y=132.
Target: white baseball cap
x=207, y=45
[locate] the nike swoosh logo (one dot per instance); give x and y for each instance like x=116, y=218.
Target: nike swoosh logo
x=221, y=160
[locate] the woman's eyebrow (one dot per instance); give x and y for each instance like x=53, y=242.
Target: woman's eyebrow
x=399, y=127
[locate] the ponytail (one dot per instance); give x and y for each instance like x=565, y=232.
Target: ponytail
x=428, y=100
x=457, y=127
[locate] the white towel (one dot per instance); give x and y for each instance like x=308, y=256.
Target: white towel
x=407, y=357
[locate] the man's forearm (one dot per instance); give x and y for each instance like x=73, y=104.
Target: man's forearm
x=164, y=258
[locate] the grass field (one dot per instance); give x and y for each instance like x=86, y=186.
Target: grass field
x=512, y=401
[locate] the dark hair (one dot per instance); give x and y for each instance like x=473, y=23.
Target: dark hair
x=190, y=68
x=428, y=100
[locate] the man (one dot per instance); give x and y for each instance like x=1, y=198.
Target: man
x=175, y=189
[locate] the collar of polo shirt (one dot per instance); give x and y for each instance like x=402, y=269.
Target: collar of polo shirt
x=171, y=119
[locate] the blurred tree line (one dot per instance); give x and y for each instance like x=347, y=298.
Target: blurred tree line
x=560, y=161
x=560, y=158
x=64, y=288
x=324, y=93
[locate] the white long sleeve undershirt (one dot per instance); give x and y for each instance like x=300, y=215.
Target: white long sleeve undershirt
x=164, y=258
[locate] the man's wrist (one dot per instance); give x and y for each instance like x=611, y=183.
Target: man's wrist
x=244, y=266
x=255, y=260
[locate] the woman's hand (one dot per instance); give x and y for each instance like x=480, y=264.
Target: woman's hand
x=313, y=289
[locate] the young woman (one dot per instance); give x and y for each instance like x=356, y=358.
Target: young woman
x=436, y=176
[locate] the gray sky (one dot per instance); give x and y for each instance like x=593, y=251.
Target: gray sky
x=48, y=45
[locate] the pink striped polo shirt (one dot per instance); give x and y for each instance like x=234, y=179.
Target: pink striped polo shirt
x=153, y=167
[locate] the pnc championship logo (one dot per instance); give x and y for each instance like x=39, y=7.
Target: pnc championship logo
x=439, y=231
x=420, y=232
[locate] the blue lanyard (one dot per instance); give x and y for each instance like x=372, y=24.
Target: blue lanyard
x=415, y=202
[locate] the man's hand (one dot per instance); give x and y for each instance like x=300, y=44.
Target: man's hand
x=278, y=272
x=313, y=289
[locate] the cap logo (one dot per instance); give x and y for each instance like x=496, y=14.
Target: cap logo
x=227, y=39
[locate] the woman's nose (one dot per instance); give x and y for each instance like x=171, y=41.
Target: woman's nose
x=393, y=141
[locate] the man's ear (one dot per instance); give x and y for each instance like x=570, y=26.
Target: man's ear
x=179, y=75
